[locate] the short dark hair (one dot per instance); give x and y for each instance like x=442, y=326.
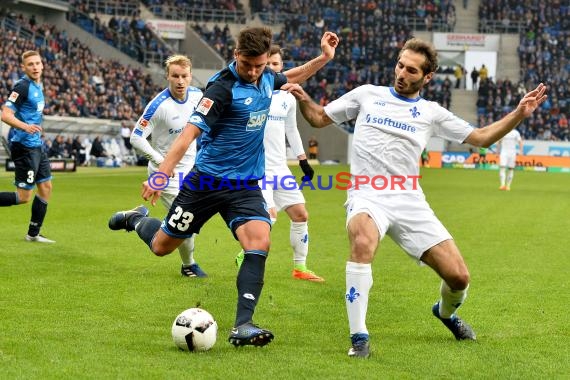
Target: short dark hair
x=254, y=41
x=426, y=49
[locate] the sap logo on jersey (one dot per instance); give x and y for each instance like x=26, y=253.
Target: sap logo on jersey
x=256, y=120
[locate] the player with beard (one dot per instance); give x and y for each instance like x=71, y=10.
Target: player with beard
x=393, y=126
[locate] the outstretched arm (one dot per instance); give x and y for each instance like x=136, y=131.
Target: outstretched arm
x=299, y=74
x=312, y=112
x=493, y=132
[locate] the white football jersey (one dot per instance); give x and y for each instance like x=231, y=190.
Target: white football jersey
x=390, y=133
x=281, y=123
x=510, y=142
x=165, y=117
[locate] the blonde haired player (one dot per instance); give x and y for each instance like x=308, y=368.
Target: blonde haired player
x=508, y=157
x=164, y=118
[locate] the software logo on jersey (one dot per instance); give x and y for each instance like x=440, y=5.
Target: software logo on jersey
x=13, y=96
x=204, y=106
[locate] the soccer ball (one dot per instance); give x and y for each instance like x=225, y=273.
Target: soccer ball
x=194, y=330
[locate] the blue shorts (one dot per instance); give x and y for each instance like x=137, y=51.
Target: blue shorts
x=237, y=202
x=31, y=164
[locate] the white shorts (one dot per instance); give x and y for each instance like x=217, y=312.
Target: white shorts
x=407, y=218
x=167, y=198
x=280, y=190
x=508, y=159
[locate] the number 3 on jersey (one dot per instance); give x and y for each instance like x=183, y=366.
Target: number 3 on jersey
x=180, y=219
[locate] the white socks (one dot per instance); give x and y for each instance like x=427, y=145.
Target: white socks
x=450, y=300
x=510, y=175
x=358, y=284
x=186, y=250
x=299, y=238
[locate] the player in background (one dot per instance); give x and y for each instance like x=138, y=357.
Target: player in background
x=24, y=113
x=393, y=126
x=425, y=158
x=282, y=123
x=164, y=118
x=508, y=157
x=230, y=120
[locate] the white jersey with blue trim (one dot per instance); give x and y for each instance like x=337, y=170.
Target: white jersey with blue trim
x=390, y=133
x=281, y=123
x=165, y=117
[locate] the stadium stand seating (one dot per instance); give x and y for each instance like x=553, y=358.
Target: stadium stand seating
x=372, y=34
x=121, y=26
x=198, y=10
x=543, y=55
x=76, y=82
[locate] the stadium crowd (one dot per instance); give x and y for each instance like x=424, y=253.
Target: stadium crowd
x=372, y=34
x=128, y=33
x=543, y=56
x=77, y=83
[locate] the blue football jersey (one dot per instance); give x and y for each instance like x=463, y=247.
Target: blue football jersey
x=27, y=101
x=232, y=115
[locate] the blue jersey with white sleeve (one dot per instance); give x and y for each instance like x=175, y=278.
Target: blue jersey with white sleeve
x=232, y=115
x=27, y=101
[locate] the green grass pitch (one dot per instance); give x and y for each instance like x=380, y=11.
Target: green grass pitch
x=98, y=304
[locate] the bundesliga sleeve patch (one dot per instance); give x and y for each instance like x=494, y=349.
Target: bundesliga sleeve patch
x=13, y=96
x=143, y=123
x=204, y=106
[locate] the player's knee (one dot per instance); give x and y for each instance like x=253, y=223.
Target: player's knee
x=298, y=213
x=363, y=248
x=262, y=243
x=300, y=217
x=161, y=251
x=24, y=197
x=460, y=280
x=44, y=190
